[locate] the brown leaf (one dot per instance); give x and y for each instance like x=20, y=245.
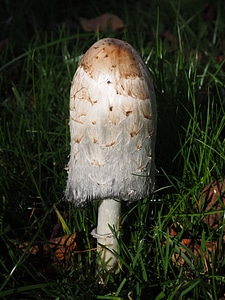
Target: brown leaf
x=171, y=39
x=58, y=249
x=210, y=254
x=209, y=13
x=212, y=199
x=3, y=44
x=102, y=23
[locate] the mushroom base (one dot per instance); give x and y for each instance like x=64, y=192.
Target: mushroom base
x=107, y=229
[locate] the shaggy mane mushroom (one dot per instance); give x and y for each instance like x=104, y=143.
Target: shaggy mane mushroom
x=112, y=129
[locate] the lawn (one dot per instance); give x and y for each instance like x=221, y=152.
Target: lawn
x=171, y=245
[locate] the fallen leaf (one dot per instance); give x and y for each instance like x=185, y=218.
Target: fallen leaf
x=213, y=199
x=58, y=249
x=102, y=23
x=209, y=13
x=3, y=44
x=210, y=255
x=171, y=39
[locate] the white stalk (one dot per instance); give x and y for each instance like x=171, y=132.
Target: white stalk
x=108, y=216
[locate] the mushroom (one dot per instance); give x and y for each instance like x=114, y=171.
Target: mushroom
x=112, y=129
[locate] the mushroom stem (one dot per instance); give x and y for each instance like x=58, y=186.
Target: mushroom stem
x=108, y=217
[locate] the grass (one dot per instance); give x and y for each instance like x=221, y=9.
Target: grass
x=181, y=45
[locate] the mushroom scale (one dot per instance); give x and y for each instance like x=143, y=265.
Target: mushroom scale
x=112, y=126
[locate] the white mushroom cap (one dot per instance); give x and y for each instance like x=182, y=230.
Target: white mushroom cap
x=112, y=126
